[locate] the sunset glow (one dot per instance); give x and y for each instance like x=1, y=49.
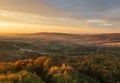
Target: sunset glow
x=46, y=16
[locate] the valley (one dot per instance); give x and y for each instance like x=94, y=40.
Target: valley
x=88, y=55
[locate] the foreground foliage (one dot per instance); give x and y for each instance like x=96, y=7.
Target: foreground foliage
x=53, y=69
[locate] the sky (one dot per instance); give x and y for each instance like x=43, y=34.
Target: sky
x=66, y=16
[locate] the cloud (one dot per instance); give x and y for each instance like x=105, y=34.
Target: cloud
x=88, y=9
x=40, y=7
x=68, y=13
x=29, y=18
x=99, y=23
x=76, y=9
x=95, y=21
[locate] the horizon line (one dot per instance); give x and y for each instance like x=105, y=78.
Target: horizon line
x=55, y=32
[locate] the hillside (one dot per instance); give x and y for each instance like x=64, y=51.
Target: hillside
x=82, y=39
x=20, y=46
x=59, y=58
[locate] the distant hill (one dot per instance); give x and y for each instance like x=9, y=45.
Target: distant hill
x=114, y=36
x=82, y=39
x=53, y=33
x=112, y=39
x=109, y=35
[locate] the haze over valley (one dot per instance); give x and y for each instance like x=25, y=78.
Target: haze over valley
x=59, y=41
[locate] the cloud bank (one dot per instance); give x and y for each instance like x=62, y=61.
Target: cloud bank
x=81, y=14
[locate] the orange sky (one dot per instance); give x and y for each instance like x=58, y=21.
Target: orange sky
x=42, y=16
